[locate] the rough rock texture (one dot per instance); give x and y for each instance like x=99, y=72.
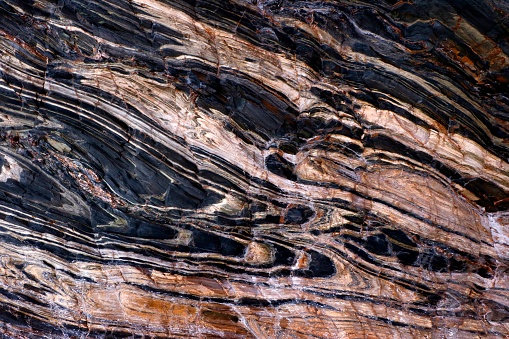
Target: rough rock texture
x=242, y=169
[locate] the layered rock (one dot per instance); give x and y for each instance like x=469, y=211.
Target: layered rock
x=268, y=169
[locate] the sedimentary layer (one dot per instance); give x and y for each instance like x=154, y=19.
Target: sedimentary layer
x=254, y=169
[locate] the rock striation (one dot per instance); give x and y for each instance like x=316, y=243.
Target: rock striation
x=254, y=169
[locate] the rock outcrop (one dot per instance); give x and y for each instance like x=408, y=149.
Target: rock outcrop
x=254, y=169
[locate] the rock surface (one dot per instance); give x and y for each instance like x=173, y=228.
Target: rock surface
x=254, y=169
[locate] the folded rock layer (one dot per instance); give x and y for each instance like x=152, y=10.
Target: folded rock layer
x=254, y=169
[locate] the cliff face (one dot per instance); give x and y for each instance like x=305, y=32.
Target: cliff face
x=268, y=169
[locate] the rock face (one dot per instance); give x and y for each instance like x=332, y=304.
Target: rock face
x=254, y=169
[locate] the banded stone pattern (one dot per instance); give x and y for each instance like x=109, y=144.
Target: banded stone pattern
x=254, y=169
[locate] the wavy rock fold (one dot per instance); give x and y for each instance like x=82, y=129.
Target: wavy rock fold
x=254, y=169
